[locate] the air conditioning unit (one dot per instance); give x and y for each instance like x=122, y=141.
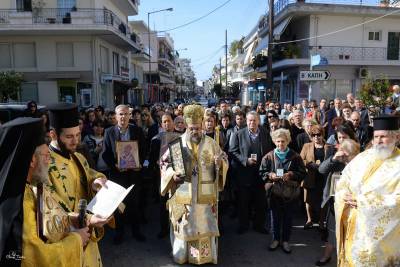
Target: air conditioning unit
x=363, y=73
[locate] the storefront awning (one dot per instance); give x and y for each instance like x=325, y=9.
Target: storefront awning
x=280, y=28
x=262, y=45
x=249, y=53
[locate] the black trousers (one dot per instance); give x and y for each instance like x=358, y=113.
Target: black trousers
x=131, y=215
x=252, y=197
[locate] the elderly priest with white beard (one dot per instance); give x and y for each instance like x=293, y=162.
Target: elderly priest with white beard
x=367, y=202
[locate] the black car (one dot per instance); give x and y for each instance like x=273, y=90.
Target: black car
x=11, y=111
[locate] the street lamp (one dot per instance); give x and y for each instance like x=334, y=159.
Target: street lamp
x=148, y=27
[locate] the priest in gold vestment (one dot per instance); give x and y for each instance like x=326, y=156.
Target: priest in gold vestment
x=70, y=176
x=193, y=203
x=367, y=202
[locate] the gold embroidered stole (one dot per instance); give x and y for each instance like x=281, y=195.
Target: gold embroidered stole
x=348, y=218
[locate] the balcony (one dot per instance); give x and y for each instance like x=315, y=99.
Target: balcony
x=61, y=21
x=129, y=7
x=163, y=69
x=336, y=55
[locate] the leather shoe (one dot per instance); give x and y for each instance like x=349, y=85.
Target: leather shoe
x=139, y=236
x=308, y=225
x=286, y=248
x=322, y=263
x=274, y=245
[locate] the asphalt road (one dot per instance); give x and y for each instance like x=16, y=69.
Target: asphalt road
x=249, y=249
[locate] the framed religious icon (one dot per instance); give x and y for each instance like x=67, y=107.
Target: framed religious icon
x=128, y=155
x=176, y=153
x=334, y=179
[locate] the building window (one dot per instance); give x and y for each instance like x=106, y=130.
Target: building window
x=24, y=5
x=67, y=91
x=5, y=56
x=374, y=36
x=115, y=63
x=124, y=62
x=104, y=59
x=29, y=92
x=67, y=4
x=65, y=55
x=24, y=55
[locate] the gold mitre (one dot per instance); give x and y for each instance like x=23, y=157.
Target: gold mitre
x=193, y=114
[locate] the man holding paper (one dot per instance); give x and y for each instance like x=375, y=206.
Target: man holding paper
x=193, y=190
x=70, y=176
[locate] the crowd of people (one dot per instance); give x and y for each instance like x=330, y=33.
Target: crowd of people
x=282, y=159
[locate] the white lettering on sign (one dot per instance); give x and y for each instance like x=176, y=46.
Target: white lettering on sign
x=315, y=75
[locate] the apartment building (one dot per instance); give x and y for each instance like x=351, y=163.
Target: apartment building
x=354, y=38
x=185, y=76
x=69, y=50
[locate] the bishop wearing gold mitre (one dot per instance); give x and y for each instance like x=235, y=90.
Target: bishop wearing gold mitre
x=193, y=172
x=70, y=176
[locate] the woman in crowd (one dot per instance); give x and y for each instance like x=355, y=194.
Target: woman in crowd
x=282, y=166
x=136, y=117
x=347, y=110
x=313, y=154
x=331, y=168
x=88, y=123
x=304, y=138
x=94, y=143
x=336, y=122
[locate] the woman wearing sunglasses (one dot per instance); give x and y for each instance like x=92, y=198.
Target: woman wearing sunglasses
x=313, y=154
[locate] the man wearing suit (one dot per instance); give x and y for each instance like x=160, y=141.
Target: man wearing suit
x=247, y=147
x=333, y=113
x=124, y=131
x=364, y=117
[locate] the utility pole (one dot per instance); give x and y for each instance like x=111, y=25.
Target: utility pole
x=226, y=60
x=220, y=72
x=270, y=41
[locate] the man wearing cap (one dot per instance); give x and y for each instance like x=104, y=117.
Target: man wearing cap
x=193, y=203
x=70, y=176
x=367, y=201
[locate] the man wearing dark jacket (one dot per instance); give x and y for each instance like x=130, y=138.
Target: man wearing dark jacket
x=247, y=147
x=124, y=131
x=363, y=133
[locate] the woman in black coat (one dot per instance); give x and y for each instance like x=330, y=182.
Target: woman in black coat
x=282, y=165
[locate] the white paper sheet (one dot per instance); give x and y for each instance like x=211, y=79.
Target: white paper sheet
x=107, y=199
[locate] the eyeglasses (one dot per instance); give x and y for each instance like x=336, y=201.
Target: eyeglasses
x=316, y=135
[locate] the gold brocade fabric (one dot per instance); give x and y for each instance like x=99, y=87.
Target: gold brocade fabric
x=369, y=235
x=194, y=217
x=69, y=185
x=67, y=252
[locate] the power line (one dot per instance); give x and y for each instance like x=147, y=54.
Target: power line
x=210, y=55
x=195, y=20
x=340, y=30
x=208, y=60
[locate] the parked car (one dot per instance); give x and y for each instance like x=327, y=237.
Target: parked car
x=10, y=111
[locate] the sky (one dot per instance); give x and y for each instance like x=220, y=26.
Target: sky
x=203, y=38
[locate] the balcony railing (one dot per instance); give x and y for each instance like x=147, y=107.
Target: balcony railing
x=348, y=53
x=281, y=4
x=163, y=69
x=65, y=16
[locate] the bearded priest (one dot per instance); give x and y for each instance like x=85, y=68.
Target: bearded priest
x=367, y=202
x=70, y=176
x=193, y=191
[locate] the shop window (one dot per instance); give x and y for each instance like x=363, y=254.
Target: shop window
x=116, y=63
x=67, y=91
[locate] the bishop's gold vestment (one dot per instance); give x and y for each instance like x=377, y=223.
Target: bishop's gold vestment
x=193, y=206
x=369, y=235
